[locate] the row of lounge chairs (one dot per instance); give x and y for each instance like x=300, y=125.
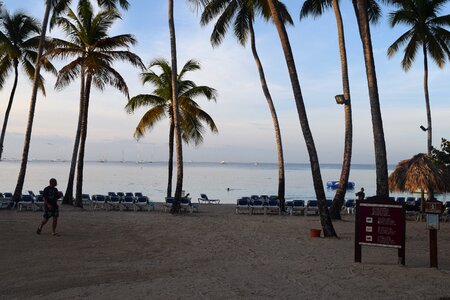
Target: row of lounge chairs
x=118, y=201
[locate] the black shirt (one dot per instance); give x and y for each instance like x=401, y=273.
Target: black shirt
x=52, y=196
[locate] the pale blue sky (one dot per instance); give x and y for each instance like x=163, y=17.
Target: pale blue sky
x=241, y=112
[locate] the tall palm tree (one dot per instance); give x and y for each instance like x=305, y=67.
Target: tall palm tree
x=425, y=30
x=57, y=6
x=68, y=195
x=192, y=117
x=316, y=8
x=19, y=40
x=94, y=53
x=325, y=219
x=242, y=15
x=363, y=18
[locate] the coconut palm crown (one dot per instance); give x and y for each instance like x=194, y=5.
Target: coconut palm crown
x=160, y=102
x=19, y=41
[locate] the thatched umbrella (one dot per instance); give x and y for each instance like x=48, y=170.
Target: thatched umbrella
x=419, y=173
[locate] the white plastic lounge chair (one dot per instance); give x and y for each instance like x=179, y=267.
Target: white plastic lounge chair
x=349, y=206
x=298, y=206
x=186, y=205
x=86, y=200
x=26, y=202
x=143, y=202
x=243, y=204
x=311, y=207
x=39, y=202
x=273, y=205
x=257, y=205
x=113, y=202
x=127, y=202
x=6, y=200
x=204, y=199
x=98, y=201
x=167, y=205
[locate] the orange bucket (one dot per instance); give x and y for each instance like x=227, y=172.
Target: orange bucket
x=314, y=233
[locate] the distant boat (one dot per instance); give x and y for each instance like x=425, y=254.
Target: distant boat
x=256, y=163
x=222, y=162
x=335, y=184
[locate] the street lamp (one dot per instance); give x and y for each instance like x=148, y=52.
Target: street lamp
x=423, y=128
x=340, y=99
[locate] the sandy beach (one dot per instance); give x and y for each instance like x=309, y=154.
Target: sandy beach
x=212, y=254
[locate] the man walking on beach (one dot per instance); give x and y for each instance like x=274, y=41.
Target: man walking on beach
x=51, y=196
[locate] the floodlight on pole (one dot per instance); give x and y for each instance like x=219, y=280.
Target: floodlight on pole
x=340, y=99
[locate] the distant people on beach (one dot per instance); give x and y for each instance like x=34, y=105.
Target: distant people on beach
x=361, y=195
x=51, y=209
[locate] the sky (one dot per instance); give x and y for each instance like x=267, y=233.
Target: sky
x=241, y=113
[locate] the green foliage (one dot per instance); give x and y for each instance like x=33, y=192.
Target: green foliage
x=442, y=157
x=192, y=117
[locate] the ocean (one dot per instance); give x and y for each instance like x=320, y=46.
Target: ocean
x=225, y=181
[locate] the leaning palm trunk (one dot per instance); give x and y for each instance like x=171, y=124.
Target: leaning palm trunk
x=68, y=197
x=325, y=219
x=83, y=136
x=26, y=147
x=338, y=200
x=170, y=161
x=8, y=109
x=262, y=78
x=377, y=122
x=176, y=113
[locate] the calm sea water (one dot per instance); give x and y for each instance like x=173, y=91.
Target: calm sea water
x=214, y=179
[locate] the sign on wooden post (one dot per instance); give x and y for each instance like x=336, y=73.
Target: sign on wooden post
x=380, y=222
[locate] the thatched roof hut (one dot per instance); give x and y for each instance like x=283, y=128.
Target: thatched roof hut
x=419, y=173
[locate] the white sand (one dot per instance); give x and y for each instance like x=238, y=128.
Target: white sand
x=213, y=254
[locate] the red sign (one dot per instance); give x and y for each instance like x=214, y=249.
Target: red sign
x=381, y=224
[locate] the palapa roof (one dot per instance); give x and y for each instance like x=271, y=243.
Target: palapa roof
x=418, y=173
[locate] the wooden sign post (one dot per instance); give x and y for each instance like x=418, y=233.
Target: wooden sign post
x=380, y=222
x=433, y=209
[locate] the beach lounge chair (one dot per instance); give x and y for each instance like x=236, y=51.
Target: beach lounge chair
x=167, y=205
x=204, y=199
x=349, y=206
x=400, y=199
x=298, y=206
x=39, y=202
x=243, y=204
x=138, y=195
x=329, y=203
x=186, y=205
x=273, y=205
x=98, y=201
x=311, y=207
x=26, y=202
x=86, y=200
x=143, y=202
x=257, y=205
x=127, y=202
x=6, y=200
x=113, y=202
x=392, y=198
x=121, y=194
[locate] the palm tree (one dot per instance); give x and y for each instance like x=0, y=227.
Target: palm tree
x=325, y=219
x=425, y=30
x=68, y=195
x=363, y=17
x=57, y=6
x=316, y=8
x=242, y=15
x=19, y=40
x=94, y=52
x=160, y=102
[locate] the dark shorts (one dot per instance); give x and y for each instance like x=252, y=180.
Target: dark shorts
x=51, y=213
